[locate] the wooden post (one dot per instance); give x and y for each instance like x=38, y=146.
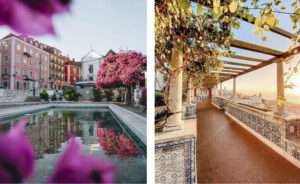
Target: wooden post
x=280, y=88
x=234, y=90
x=174, y=121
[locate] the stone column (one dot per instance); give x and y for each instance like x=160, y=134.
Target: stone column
x=174, y=121
x=234, y=90
x=189, y=93
x=280, y=88
x=221, y=90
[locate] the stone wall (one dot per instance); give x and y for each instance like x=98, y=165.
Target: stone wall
x=7, y=95
x=275, y=131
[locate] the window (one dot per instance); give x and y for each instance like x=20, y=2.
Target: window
x=91, y=79
x=18, y=59
x=5, y=84
x=5, y=71
x=30, y=62
x=6, y=58
x=24, y=72
x=46, y=77
x=17, y=71
x=24, y=86
x=36, y=75
x=54, y=51
x=46, y=58
x=18, y=47
x=24, y=60
x=36, y=65
x=18, y=85
x=30, y=73
x=36, y=55
x=91, y=69
x=31, y=52
x=6, y=46
x=46, y=67
x=74, y=71
x=41, y=65
x=25, y=49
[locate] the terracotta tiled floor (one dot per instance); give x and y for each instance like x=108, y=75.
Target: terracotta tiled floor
x=228, y=153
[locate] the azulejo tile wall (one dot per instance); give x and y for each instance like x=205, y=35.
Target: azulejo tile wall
x=275, y=130
x=175, y=162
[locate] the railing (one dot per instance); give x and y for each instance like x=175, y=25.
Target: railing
x=275, y=131
x=5, y=76
x=220, y=102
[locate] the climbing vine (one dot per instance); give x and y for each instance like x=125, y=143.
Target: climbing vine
x=202, y=31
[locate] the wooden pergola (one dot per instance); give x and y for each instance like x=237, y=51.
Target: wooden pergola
x=233, y=69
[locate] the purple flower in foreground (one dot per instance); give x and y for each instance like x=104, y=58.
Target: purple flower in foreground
x=31, y=16
x=16, y=155
x=75, y=167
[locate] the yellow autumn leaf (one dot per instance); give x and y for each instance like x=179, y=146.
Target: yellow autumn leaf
x=257, y=31
x=258, y=22
x=233, y=6
x=266, y=28
x=282, y=7
x=200, y=8
x=264, y=38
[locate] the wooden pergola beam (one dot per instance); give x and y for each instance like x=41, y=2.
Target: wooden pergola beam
x=253, y=47
x=281, y=58
x=246, y=58
x=238, y=64
x=234, y=68
x=276, y=30
x=232, y=71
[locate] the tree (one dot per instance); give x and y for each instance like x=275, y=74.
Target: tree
x=124, y=69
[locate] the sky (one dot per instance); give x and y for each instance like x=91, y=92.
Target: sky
x=104, y=24
x=264, y=80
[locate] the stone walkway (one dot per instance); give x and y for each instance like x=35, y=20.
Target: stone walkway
x=226, y=153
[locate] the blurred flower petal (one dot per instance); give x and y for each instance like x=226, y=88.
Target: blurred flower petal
x=16, y=155
x=75, y=167
x=32, y=17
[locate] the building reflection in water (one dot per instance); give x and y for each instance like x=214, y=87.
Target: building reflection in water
x=48, y=130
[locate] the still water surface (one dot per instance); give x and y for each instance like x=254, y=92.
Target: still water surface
x=97, y=131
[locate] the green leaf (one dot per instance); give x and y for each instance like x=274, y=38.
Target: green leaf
x=233, y=6
x=250, y=17
x=200, y=9
x=184, y=4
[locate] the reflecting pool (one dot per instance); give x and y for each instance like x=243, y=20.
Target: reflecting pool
x=99, y=133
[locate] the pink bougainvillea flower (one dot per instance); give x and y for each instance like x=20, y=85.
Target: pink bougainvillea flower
x=75, y=167
x=32, y=17
x=122, y=69
x=16, y=155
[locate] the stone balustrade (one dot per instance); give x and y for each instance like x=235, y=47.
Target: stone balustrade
x=275, y=131
x=8, y=95
x=219, y=102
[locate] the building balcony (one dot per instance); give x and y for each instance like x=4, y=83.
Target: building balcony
x=27, y=54
x=5, y=76
x=25, y=77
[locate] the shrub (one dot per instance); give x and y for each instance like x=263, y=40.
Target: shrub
x=70, y=94
x=143, y=100
x=44, y=95
x=109, y=94
x=97, y=95
x=159, y=99
x=53, y=97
